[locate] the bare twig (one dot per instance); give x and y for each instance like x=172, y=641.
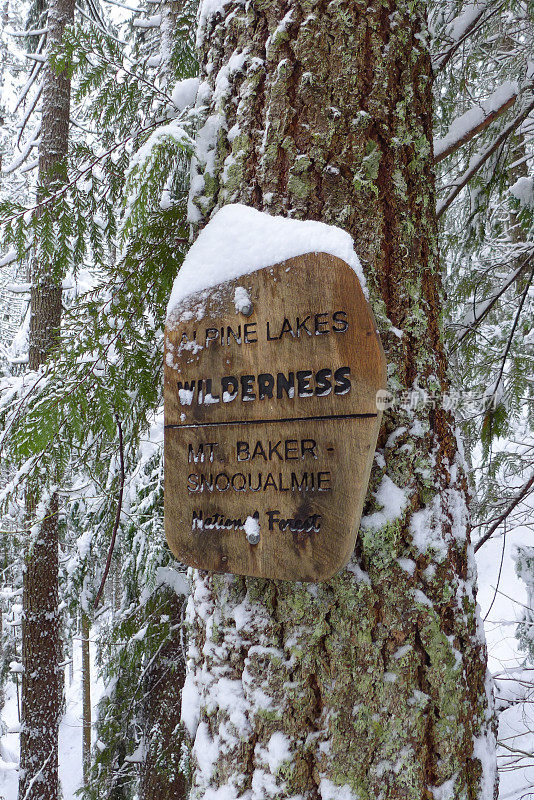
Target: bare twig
x=38, y=65
x=27, y=115
x=506, y=513
x=117, y=515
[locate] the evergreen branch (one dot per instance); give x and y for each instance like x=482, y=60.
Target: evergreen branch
x=21, y=402
x=95, y=22
x=117, y=515
x=506, y=513
x=133, y=75
x=488, y=304
x=478, y=162
x=68, y=184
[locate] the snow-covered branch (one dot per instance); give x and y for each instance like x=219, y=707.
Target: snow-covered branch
x=25, y=34
x=480, y=159
x=29, y=111
x=462, y=27
x=151, y=22
x=474, y=121
x=38, y=65
x=35, y=56
x=19, y=160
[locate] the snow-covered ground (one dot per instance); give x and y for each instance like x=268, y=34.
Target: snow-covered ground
x=516, y=723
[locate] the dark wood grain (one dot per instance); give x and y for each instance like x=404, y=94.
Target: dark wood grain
x=304, y=458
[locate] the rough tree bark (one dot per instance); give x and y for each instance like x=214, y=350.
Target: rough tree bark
x=41, y=647
x=376, y=681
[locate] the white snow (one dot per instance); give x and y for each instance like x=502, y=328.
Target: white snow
x=407, y=564
x=205, y=750
x=207, y=9
x=240, y=240
x=177, y=581
x=184, y=93
x=190, y=705
x=251, y=527
x=523, y=190
x=242, y=300
x=463, y=21
x=150, y=22
x=234, y=64
x=331, y=791
x=278, y=750
x=8, y=258
x=139, y=754
x=484, y=750
x=426, y=527
x=445, y=791
x=420, y=597
x=186, y=396
x=173, y=131
x=393, y=500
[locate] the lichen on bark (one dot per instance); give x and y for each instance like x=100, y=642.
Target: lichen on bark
x=372, y=685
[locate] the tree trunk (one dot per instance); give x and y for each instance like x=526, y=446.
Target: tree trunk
x=40, y=660
x=162, y=771
x=86, y=698
x=41, y=647
x=4, y=55
x=376, y=680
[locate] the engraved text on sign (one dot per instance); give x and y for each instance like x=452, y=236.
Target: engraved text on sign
x=271, y=417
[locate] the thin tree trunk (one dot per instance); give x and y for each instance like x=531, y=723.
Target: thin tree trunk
x=374, y=684
x=40, y=660
x=86, y=697
x=162, y=769
x=41, y=647
x=170, y=12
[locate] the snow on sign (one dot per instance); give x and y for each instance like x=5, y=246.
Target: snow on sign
x=270, y=418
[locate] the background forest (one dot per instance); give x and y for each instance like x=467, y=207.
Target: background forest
x=81, y=423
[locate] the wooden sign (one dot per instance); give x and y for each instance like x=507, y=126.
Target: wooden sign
x=271, y=420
